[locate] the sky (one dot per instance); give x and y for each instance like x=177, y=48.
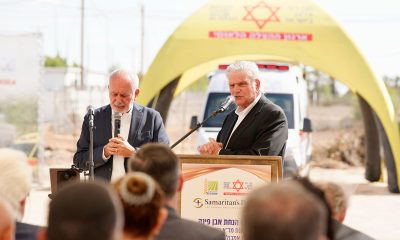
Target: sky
x=113, y=36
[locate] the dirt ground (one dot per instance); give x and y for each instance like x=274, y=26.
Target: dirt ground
x=373, y=210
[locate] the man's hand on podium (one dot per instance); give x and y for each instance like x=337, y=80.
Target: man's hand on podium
x=211, y=148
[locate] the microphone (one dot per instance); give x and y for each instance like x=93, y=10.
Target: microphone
x=221, y=109
x=225, y=104
x=117, y=124
x=90, y=112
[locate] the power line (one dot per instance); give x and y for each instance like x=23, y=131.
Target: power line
x=13, y=2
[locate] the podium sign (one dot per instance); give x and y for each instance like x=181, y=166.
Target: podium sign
x=215, y=188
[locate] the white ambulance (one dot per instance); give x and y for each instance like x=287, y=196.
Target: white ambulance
x=283, y=84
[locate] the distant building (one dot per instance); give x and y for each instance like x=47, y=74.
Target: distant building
x=20, y=65
x=58, y=78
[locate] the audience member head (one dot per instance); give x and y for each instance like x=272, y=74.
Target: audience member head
x=123, y=89
x=15, y=179
x=142, y=200
x=336, y=198
x=7, y=221
x=85, y=211
x=318, y=193
x=283, y=211
x=158, y=161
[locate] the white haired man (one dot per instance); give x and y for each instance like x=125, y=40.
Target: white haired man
x=15, y=185
x=138, y=125
x=257, y=126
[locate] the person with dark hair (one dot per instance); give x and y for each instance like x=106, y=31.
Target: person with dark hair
x=310, y=187
x=158, y=161
x=113, y=145
x=84, y=211
x=143, y=205
x=257, y=126
x=283, y=211
x=338, y=203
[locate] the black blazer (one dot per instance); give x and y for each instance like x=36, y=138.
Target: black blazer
x=263, y=131
x=146, y=126
x=178, y=228
x=344, y=232
x=24, y=231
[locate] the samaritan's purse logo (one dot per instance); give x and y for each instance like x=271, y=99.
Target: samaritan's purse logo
x=198, y=202
x=261, y=14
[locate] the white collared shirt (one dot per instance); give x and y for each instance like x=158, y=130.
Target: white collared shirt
x=242, y=114
x=118, y=169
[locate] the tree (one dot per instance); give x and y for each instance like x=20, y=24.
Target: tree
x=56, y=61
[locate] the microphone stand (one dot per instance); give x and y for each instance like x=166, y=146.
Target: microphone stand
x=198, y=125
x=91, y=162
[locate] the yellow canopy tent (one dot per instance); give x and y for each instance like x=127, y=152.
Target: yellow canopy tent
x=226, y=30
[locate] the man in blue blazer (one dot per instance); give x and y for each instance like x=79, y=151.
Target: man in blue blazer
x=138, y=125
x=257, y=126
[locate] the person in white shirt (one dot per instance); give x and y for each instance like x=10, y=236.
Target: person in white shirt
x=138, y=125
x=257, y=126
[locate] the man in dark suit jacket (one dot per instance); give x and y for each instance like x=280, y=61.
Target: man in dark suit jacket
x=139, y=125
x=344, y=232
x=337, y=200
x=162, y=164
x=7, y=224
x=257, y=126
x=25, y=231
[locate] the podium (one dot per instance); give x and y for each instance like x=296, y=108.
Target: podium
x=61, y=176
x=215, y=187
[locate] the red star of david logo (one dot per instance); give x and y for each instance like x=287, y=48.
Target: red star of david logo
x=237, y=185
x=268, y=14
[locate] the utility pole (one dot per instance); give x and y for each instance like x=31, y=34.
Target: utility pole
x=56, y=29
x=142, y=38
x=82, y=41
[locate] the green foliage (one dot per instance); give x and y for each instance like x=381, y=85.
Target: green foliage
x=56, y=61
x=357, y=114
x=395, y=96
x=326, y=97
x=393, y=87
x=22, y=113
